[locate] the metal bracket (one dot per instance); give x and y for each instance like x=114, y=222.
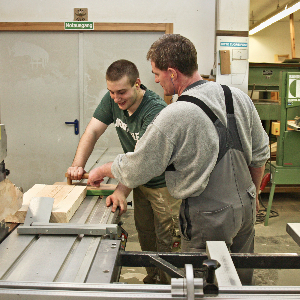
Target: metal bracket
x=39, y=210
x=166, y=266
x=38, y=216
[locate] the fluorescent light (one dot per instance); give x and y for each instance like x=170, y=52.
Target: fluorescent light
x=274, y=17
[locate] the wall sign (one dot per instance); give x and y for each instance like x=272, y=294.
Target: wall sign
x=79, y=25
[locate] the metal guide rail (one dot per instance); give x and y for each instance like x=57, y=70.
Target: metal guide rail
x=220, y=281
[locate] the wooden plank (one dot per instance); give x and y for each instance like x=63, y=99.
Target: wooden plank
x=64, y=210
x=10, y=199
x=292, y=33
x=293, y=229
x=103, y=190
x=226, y=274
x=67, y=199
x=225, y=62
x=283, y=189
x=105, y=27
x=232, y=33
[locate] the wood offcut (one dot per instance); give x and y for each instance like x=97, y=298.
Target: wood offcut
x=67, y=199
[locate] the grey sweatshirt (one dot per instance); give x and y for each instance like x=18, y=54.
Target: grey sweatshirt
x=182, y=134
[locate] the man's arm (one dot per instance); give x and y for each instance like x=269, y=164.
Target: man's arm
x=85, y=147
x=96, y=175
x=118, y=198
x=257, y=175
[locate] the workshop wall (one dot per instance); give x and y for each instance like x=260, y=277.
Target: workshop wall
x=35, y=105
x=195, y=20
x=274, y=39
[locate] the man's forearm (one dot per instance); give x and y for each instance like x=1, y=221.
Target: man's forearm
x=84, y=150
x=123, y=189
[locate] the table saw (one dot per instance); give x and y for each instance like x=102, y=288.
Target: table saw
x=86, y=265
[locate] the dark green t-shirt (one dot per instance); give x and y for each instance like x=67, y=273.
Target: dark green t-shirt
x=131, y=128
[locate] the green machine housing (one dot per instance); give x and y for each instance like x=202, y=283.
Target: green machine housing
x=284, y=78
x=265, y=78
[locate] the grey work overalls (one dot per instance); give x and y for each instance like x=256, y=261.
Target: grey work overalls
x=226, y=209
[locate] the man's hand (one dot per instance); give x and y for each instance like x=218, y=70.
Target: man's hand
x=118, y=198
x=96, y=177
x=75, y=173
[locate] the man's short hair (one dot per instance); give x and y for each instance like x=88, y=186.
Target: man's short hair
x=174, y=51
x=120, y=68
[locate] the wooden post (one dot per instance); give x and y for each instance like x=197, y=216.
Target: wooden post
x=292, y=33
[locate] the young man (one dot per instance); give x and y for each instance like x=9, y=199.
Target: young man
x=213, y=145
x=131, y=107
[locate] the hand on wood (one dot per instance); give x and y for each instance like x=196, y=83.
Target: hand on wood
x=75, y=173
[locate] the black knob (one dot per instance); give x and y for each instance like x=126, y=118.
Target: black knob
x=210, y=265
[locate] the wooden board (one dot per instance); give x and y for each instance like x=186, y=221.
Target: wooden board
x=103, y=190
x=67, y=199
x=225, y=62
x=10, y=199
x=283, y=188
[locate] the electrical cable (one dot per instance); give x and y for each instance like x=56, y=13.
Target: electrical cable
x=174, y=87
x=260, y=217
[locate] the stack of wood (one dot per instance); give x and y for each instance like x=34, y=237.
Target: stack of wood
x=67, y=199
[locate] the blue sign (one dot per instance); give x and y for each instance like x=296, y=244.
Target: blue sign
x=233, y=44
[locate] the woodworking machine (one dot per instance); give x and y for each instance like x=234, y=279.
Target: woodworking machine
x=285, y=79
x=265, y=78
x=82, y=259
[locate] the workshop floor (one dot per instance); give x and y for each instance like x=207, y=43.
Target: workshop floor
x=269, y=239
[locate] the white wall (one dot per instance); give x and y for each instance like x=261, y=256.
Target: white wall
x=194, y=19
x=232, y=15
x=274, y=39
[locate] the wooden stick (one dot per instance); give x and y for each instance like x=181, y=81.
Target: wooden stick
x=292, y=32
x=69, y=180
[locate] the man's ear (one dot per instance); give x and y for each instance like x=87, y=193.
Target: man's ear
x=137, y=83
x=173, y=73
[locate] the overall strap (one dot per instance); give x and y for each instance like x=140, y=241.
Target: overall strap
x=228, y=100
x=207, y=110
